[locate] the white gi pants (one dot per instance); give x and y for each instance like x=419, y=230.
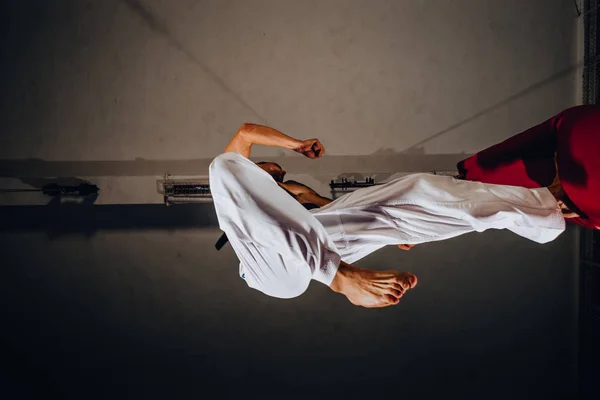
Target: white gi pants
x=422, y=208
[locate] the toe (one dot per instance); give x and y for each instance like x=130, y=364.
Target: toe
x=406, y=280
x=412, y=280
x=403, y=282
x=390, y=299
x=399, y=286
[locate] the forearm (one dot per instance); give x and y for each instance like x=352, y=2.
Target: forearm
x=250, y=134
x=267, y=136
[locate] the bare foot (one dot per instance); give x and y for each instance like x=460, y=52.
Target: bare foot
x=559, y=194
x=372, y=289
x=567, y=212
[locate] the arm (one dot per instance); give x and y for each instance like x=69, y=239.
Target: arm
x=304, y=194
x=250, y=134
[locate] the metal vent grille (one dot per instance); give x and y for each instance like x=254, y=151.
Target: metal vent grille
x=178, y=191
x=188, y=189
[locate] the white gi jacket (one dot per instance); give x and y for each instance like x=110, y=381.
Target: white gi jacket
x=282, y=246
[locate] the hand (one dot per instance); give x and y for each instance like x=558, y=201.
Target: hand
x=406, y=247
x=311, y=148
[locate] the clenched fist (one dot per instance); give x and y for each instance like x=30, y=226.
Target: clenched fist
x=311, y=148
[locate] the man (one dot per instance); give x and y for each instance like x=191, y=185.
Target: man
x=562, y=152
x=282, y=246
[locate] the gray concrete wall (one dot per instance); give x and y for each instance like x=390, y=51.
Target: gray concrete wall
x=120, y=92
x=117, y=80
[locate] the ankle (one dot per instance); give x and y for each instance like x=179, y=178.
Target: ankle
x=342, y=277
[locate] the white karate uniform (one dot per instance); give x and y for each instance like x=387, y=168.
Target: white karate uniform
x=282, y=246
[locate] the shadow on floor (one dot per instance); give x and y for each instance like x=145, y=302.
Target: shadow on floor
x=66, y=219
